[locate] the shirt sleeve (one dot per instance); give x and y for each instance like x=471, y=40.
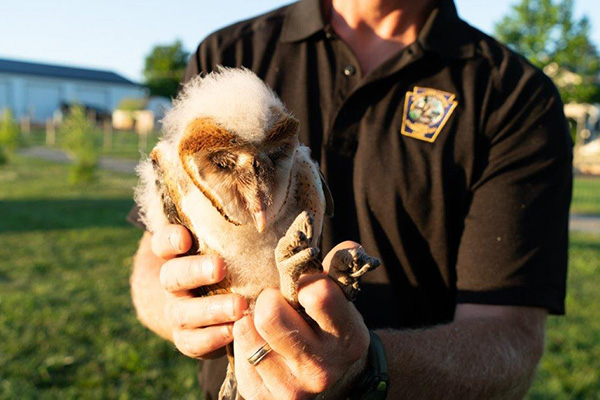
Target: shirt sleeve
x=513, y=250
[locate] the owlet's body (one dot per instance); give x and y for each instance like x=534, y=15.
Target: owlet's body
x=229, y=167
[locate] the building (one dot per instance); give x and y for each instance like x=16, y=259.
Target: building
x=38, y=90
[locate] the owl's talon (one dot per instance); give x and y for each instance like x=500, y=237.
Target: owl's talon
x=297, y=237
x=347, y=266
x=296, y=255
x=365, y=268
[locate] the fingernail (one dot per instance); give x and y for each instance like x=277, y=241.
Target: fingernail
x=208, y=268
x=175, y=240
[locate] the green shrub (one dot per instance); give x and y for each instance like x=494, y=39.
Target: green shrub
x=132, y=104
x=82, y=140
x=9, y=136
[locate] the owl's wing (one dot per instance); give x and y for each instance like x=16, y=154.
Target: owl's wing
x=329, y=209
x=311, y=191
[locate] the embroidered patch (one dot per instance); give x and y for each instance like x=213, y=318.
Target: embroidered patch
x=426, y=111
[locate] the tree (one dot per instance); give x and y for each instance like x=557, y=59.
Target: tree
x=164, y=69
x=546, y=32
x=82, y=140
x=9, y=136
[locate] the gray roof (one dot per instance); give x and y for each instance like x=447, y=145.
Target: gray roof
x=59, y=71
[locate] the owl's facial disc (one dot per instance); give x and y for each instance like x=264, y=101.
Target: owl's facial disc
x=246, y=182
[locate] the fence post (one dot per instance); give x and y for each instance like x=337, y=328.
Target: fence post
x=25, y=125
x=107, y=135
x=50, y=133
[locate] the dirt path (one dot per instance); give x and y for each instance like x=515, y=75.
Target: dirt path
x=108, y=163
x=584, y=223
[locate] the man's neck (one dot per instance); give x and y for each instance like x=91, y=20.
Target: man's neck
x=377, y=29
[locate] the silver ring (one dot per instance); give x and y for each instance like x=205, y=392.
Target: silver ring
x=259, y=354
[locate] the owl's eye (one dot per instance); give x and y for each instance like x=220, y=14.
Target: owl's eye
x=224, y=160
x=276, y=156
x=280, y=153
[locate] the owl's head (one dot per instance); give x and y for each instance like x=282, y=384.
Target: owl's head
x=236, y=142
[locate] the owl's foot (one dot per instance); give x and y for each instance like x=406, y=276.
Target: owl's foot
x=295, y=255
x=347, y=266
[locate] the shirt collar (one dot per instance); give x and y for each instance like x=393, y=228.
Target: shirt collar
x=304, y=19
x=444, y=32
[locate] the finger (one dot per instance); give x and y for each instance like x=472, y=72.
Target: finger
x=266, y=376
x=245, y=343
x=200, y=343
x=197, y=312
x=170, y=241
x=191, y=272
x=283, y=328
x=326, y=304
x=348, y=244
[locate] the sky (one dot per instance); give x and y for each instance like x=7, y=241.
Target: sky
x=116, y=35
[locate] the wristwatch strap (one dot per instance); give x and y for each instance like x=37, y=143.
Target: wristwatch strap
x=374, y=382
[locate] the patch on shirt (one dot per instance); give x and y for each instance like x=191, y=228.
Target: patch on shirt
x=426, y=112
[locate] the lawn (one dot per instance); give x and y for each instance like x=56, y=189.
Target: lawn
x=570, y=368
x=67, y=326
x=68, y=329
x=586, y=195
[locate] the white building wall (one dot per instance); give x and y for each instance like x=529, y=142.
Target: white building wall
x=39, y=96
x=4, y=93
x=42, y=98
x=17, y=96
x=70, y=92
x=94, y=95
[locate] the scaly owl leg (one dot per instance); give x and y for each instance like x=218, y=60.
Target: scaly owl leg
x=295, y=255
x=347, y=266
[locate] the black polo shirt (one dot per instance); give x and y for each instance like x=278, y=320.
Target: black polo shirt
x=451, y=161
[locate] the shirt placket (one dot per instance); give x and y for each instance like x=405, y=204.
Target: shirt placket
x=342, y=135
x=346, y=77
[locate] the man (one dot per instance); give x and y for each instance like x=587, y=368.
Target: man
x=448, y=158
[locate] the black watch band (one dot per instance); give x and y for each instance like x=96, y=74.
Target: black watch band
x=374, y=381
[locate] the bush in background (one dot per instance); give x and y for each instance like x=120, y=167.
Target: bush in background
x=132, y=104
x=82, y=140
x=9, y=136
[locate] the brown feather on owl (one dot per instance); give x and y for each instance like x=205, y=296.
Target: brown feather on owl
x=230, y=168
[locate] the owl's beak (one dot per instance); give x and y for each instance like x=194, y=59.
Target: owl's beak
x=260, y=220
x=259, y=214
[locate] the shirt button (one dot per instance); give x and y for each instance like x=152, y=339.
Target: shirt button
x=349, y=70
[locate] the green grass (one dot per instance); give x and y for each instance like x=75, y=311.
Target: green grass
x=67, y=326
x=68, y=329
x=570, y=368
x=125, y=144
x=586, y=195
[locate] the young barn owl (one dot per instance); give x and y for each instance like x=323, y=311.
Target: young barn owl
x=229, y=168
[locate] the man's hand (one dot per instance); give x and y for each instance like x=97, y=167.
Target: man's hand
x=307, y=358
x=199, y=326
